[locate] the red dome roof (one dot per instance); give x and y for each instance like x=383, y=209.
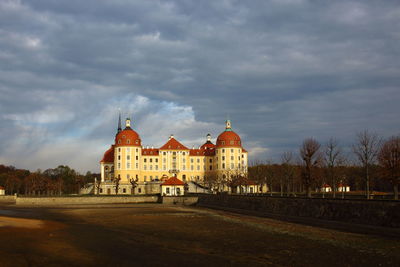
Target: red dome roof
x=109, y=155
x=127, y=137
x=229, y=139
x=207, y=145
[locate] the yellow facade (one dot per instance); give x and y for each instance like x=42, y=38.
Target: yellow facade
x=134, y=163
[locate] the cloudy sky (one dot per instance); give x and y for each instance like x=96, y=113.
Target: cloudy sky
x=282, y=70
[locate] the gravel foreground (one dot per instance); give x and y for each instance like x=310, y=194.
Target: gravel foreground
x=159, y=235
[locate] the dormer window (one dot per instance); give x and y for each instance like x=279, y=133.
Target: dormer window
x=119, y=141
x=137, y=142
x=128, y=141
x=232, y=142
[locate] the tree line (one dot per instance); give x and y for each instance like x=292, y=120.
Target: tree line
x=58, y=181
x=375, y=167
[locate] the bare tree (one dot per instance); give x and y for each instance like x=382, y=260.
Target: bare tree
x=389, y=160
x=288, y=170
x=134, y=185
x=116, y=182
x=309, y=153
x=366, y=150
x=333, y=158
x=97, y=184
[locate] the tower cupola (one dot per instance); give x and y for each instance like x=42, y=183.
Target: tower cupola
x=128, y=123
x=228, y=125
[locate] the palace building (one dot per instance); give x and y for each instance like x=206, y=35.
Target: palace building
x=141, y=170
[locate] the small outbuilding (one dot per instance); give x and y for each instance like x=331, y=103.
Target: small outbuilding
x=2, y=191
x=243, y=185
x=343, y=188
x=173, y=187
x=326, y=188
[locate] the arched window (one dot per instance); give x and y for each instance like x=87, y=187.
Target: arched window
x=119, y=141
x=128, y=141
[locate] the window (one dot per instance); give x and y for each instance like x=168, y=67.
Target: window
x=223, y=150
x=232, y=165
x=119, y=149
x=223, y=165
x=191, y=167
x=151, y=167
x=156, y=160
x=151, y=178
x=210, y=168
x=164, y=167
x=137, y=165
x=119, y=142
x=140, y=190
x=137, y=157
x=128, y=157
x=128, y=165
x=183, y=167
x=101, y=190
x=191, y=160
x=145, y=178
x=184, y=177
x=119, y=157
x=128, y=150
x=164, y=160
x=232, y=158
x=124, y=190
x=144, y=167
x=119, y=165
x=232, y=142
x=239, y=158
x=167, y=190
x=128, y=141
x=198, y=167
x=210, y=160
x=164, y=153
x=151, y=160
x=183, y=153
x=183, y=160
x=198, y=160
x=156, y=167
x=106, y=168
x=222, y=142
x=223, y=157
x=137, y=150
x=232, y=150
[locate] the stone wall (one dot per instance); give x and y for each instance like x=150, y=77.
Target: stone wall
x=373, y=212
x=7, y=199
x=182, y=200
x=44, y=201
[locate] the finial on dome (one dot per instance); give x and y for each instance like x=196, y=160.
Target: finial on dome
x=209, y=137
x=228, y=125
x=128, y=123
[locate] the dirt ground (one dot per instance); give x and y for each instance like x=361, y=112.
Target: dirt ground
x=158, y=235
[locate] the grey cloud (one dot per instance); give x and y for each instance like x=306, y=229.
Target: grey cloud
x=282, y=70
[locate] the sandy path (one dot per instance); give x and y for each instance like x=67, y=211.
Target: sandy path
x=19, y=222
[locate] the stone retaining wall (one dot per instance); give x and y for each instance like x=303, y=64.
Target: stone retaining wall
x=7, y=199
x=373, y=212
x=182, y=200
x=44, y=201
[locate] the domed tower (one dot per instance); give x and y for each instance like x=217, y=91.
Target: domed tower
x=230, y=155
x=127, y=153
